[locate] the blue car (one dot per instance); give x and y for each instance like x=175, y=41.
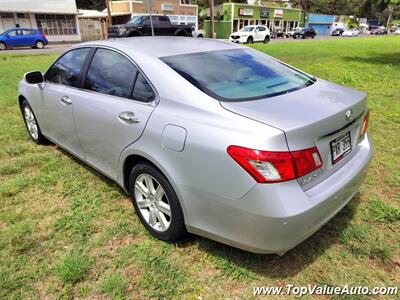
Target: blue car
x=22, y=37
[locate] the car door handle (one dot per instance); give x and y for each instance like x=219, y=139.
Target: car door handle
x=66, y=100
x=128, y=116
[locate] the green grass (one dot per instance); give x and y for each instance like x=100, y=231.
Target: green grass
x=68, y=232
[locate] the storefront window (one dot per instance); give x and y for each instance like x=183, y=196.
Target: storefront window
x=57, y=24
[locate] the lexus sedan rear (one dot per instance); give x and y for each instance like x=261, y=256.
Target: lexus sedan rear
x=206, y=137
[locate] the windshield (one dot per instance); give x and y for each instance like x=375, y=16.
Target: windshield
x=137, y=20
x=238, y=74
x=247, y=29
x=5, y=32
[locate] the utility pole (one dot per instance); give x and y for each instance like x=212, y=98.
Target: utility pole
x=109, y=19
x=211, y=4
x=151, y=19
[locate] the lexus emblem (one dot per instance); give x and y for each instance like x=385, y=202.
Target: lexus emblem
x=349, y=114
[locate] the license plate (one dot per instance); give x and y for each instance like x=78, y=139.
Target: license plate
x=340, y=147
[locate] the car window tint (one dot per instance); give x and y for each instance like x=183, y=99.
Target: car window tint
x=67, y=69
x=111, y=73
x=28, y=32
x=237, y=74
x=142, y=90
x=261, y=28
x=163, y=19
x=14, y=33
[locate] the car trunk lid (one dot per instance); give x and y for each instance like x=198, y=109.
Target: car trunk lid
x=312, y=116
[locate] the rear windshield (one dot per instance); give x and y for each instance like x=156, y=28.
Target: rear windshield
x=238, y=74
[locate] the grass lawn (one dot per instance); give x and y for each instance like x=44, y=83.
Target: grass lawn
x=66, y=231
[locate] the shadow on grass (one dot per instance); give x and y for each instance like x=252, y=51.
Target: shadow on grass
x=110, y=183
x=272, y=265
x=379, y=59
x=241, y=263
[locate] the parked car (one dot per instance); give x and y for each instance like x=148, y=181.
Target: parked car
x=206, y=136
x=22, y=37
x=251, y=34
x=350, y=33
x=291, y=32
x=141, y=26
x=199, y=33
x=304, y=33
x=379, y=31
x=337, y=32
x=278, y=33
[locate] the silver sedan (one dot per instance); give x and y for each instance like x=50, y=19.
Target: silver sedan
x=206, y=137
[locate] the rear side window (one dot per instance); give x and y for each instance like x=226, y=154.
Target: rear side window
x=237, y=75
x=261, y=28
x=67, y=69
x=163, y=19
x=111, y=73
x=28, y=32
x=142, y=91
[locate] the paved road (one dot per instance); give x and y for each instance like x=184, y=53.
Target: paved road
x=58, y=48
x=49, y=49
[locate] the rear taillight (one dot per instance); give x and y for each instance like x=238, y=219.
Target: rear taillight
x=269, y=167
x=364, y=126
x=42, y=36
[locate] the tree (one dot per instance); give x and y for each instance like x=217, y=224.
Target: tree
x=91, y=4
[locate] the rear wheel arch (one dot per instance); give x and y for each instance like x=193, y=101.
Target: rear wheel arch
x=131, y=161
x=180, y=33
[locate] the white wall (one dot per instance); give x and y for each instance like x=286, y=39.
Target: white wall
x=60, y=6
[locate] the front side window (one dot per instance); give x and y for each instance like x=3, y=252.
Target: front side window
x=14, y=33
x=237, y=74
x=67, y=69
x=111, y=73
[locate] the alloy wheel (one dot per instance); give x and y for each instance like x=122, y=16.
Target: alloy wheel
x=39, y=45
x=2, y=46
x=31, y=123
x=152, y=202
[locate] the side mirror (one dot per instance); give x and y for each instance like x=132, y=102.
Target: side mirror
x=34, y=77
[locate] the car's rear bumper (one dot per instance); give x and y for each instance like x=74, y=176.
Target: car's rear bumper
x=273, y=218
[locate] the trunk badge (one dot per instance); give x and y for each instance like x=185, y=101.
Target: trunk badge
x=349, y=114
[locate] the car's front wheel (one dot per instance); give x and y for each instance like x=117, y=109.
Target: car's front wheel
x=2, y=46
x=39, y=45
x=250, y=40
x=156, y=203
x=32, y=124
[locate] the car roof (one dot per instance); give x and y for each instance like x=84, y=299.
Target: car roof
x=160, y=46
x=22, y=29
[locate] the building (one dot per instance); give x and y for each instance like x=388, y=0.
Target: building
x=322, y=24
x=57, y=19
x=182, y=12
x=237, y=15
x=92, y=24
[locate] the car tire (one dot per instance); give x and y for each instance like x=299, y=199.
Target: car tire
x=200, y=36
x=250, y=40
x=39, y=45
x=32, y=125
x=2, y=46
x=266, y=39
x=153, y=207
